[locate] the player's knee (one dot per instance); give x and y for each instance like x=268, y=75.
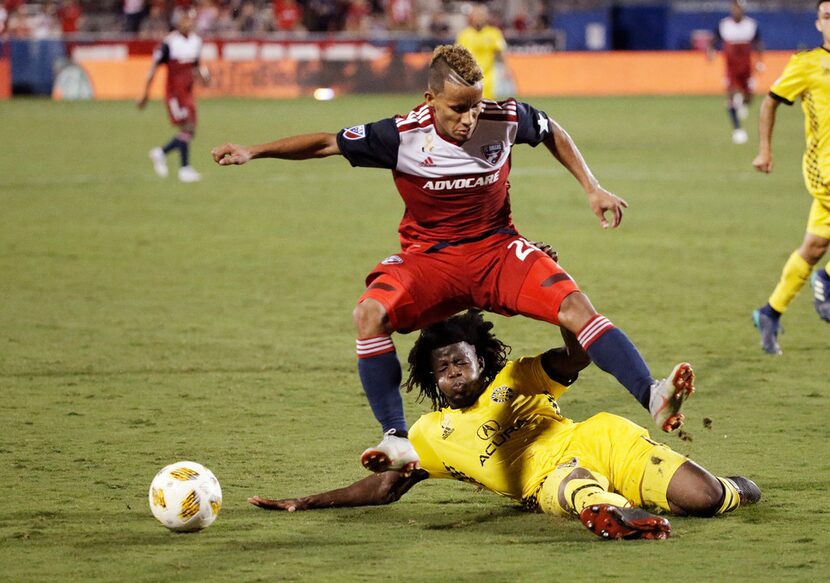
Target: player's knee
x=813, y=249
x=575, y=311
x=369, y=318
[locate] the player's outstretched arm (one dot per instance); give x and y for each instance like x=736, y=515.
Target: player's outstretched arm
x=563, y=148
x=302, y=147
x=564, y=363
x=373, y=490
x=766, y=123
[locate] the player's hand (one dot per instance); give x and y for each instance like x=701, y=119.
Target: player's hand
x=288, y=504
x=545, y=248
x=141, y=103
x=602, y=202
x=763, y=162
x=228, y=154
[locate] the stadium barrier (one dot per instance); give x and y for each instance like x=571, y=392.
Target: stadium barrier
x=534, y=75
x=5, y=79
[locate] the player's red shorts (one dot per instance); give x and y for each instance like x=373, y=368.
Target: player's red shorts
x=503, y=273
x=739, y=80
x=181, y=108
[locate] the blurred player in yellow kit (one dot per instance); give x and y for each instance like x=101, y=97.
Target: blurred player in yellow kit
x=497, y=423
x=486, y=43
x=807, y=75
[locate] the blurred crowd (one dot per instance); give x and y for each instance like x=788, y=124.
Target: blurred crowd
x=217, y=18
x=232, y=18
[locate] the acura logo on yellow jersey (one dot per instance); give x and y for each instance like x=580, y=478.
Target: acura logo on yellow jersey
x=487, y=429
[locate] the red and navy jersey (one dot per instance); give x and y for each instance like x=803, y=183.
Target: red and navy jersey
x=738, y=39
x=452, y=191
x=181, y=54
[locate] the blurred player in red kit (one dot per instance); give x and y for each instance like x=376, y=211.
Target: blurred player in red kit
x=450, y=159
x=739, y=37
x=179, y=51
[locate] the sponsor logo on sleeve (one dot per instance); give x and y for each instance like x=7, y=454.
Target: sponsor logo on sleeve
x=392, y=260
x=355, y=132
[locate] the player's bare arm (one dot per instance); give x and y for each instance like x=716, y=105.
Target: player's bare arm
x=766, y=123
x=374, y=490
x=142, y=101
x=303, y=147
x=563, y=148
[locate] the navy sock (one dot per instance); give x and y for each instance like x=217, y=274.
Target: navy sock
x=184, y=150
x=613, y=352
x=768, y=310
x=733, y=115
x=171, y=145
x=381, y=378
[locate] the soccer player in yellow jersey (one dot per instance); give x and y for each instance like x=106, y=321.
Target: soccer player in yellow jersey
x=486, y=43
x=496, y=423
x=807, y=75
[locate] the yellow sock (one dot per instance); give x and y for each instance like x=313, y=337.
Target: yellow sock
x=731, y=496
x=583, y=492
x=793, y=277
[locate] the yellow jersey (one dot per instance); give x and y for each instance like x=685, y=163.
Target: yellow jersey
x=508, y=441
x=807, y=75
x=485, y=45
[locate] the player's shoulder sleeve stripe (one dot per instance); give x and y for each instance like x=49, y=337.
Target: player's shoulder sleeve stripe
x=419, y=117
x=500, y=110
x=780, y=99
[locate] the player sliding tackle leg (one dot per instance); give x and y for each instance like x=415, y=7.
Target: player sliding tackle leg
x=450, y=158
x=606, y=470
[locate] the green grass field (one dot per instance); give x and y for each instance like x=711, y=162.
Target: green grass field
x=143, y=321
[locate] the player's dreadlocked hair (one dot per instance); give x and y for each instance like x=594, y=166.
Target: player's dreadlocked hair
x=469, y=327
x=453, y=63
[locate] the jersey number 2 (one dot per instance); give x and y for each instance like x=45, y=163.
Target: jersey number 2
x=523, y=248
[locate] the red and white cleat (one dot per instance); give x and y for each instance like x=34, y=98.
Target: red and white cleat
x=392, y=453
x=668, y=395
x=613, y=522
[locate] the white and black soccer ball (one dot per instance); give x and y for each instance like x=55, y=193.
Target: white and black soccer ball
x=185, y=496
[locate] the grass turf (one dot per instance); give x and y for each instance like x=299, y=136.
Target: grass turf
x=144, y=321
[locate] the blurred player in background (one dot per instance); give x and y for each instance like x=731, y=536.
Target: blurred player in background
x=807, y=75
x=738, y=36
x=497, y=423
x=450, y=158
x=487, y=45
x=179, y=51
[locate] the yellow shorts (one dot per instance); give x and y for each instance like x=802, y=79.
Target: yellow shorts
x=818, y=223
x=635, y=466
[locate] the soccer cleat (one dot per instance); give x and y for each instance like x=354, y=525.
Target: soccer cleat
x=668, y=394
x=749, y=490
x=392, y=453
x=821, y=296
x=613, y=523
x=159, y=162
x=768, y=327
x=739, y=136
x=189, y=174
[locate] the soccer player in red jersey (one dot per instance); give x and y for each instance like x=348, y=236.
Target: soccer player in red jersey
x=739, y=37
x=179, y=51
x=450, y=158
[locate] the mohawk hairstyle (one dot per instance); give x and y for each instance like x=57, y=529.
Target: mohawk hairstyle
x=453, y=63
x=469, y=327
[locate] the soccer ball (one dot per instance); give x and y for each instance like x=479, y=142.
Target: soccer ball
x=185, y=496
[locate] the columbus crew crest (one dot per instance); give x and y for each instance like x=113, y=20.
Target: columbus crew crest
x=502, y=394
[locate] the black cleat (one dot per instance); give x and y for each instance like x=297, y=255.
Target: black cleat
x=749, y=490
